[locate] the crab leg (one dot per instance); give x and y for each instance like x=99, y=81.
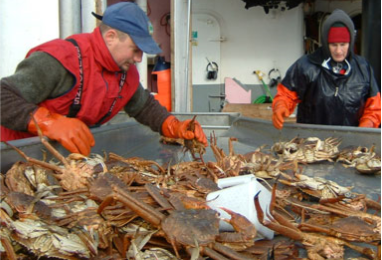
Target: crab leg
x=49, y=146
x=278, y=217
x=307, y=238
x=132, y=161
x=155, y=193
x=143, y=210
x=241, y=224
x=370, y=253
x=348, y=213
x=292, y=233
x=309, y=227
x=87, y=240
x=213, y=254
x=230, y=145
x=35, y=161
x=8, y=248
x=232, y=254
x=373, y=204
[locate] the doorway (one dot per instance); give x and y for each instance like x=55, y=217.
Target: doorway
x=206, y=63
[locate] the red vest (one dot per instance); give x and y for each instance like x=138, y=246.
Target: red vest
x=101, y=82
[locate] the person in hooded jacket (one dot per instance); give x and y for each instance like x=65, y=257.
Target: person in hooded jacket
x=331, y=86
x=69, y=85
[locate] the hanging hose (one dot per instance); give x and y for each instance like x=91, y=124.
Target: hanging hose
x=263, y=99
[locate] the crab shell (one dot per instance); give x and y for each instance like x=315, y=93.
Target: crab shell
x=191, y=226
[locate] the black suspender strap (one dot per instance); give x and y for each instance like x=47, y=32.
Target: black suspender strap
x=76, y=105
x=121, y=82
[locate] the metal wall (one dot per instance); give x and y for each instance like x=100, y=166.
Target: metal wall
x=23, y=25
x=210, y=98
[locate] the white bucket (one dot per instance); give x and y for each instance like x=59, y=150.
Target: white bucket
x=237, y=194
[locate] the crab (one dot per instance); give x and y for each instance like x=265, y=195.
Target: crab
x=28, y=207
x=194, y=146
x=348, y=228
x=344, y=211
x=317, y=246
x=75, y=172
x=16, y=180
x=48, y=240
x=308, y=150
x=188, y=228
x=319, y=187
x=264, y=165
x=226, y=165
x=32, y=179
x=258, y=163
x=365, y=160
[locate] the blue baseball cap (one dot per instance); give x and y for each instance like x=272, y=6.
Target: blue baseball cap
x=129, y=18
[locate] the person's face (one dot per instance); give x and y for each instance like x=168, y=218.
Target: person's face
x=124, y=52
x=339, y=51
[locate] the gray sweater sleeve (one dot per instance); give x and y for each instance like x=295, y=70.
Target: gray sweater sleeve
x=38, y=77
x=146, y=109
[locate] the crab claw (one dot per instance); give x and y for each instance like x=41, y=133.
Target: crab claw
x=259, y=211
x=271, y=253
x=240, y=223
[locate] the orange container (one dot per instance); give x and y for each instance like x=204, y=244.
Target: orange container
x=164, y=87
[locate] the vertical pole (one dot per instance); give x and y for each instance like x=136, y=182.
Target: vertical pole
x=188, y=88
x=142, y=66
x=89, y=22
x=178, y=55
x=371, y=35
x=70, y=18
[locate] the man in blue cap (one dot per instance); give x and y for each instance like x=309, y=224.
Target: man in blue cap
x=70, y=85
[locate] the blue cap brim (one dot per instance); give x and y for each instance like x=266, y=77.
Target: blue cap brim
x=146, y=44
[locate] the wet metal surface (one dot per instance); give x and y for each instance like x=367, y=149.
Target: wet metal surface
x=127, y=138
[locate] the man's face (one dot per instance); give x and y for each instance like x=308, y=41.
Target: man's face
x=124, y=52
x=339, y=51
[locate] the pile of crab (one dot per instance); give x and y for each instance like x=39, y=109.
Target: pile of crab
x=130, y=208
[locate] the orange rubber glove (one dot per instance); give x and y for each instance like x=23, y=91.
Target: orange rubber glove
x=174, y=128
x=71, y=133
x=280, y=111
x=366, y=123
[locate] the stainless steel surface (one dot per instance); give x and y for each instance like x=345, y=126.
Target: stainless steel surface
x=258, y=131
x=127, y=138
x=124, y=136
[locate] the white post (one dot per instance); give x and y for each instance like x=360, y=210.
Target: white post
x=188, y=79
x=89, y=22
x=179, y=56
x=70, y=18
x=142, y=66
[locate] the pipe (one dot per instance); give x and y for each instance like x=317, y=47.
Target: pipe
x=89, y=22
x=69, y=17
x=371, y=35
x=188, y=103
x=142, y=66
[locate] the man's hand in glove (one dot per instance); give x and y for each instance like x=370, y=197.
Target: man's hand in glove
x=71, y=133
x=174, y=128
x=280, y=111
x=366, y=123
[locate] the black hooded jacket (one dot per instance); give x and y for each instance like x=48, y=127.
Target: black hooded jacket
x=328, y=98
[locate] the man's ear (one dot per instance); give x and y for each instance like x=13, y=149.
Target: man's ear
x=110, y=36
